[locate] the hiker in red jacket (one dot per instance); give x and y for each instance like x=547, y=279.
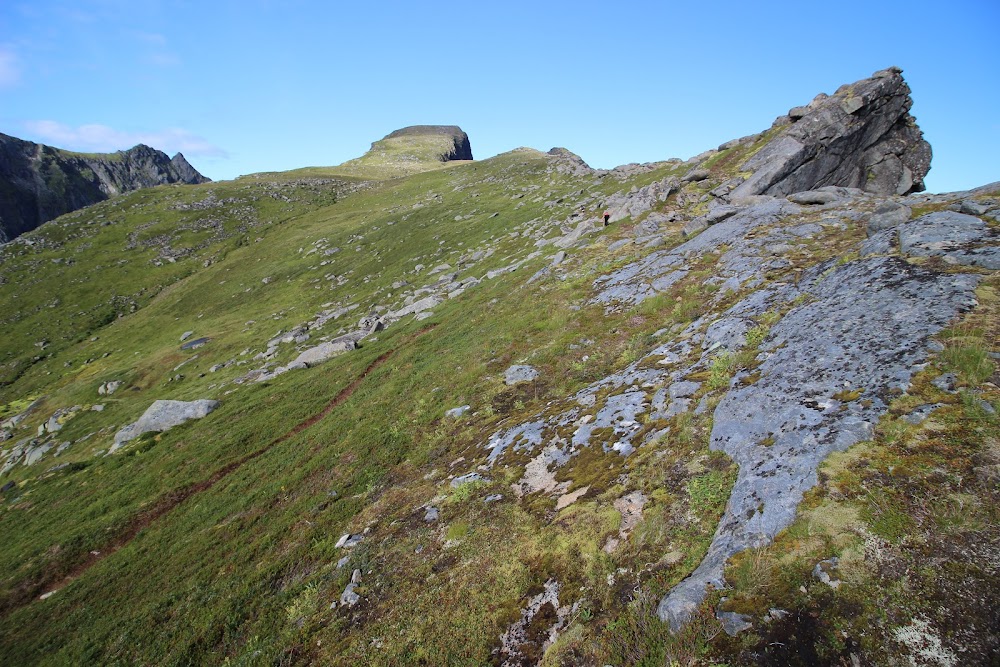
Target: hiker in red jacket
x=607, y=217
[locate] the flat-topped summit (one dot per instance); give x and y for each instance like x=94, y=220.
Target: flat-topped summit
x=461, y=149
x=411, y=150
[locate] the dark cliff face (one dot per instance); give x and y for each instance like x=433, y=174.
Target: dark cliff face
x=39, y=182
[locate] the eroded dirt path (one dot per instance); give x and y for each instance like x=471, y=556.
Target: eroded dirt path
x=29, y=591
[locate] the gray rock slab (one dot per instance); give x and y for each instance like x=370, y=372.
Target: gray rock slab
x=882, y=243
x=734, y=623
x=814, y=197
x=520, y=373
x=683, y=389
x=349, y=598
x=427, y=303
x=323, y=352
x=867, y=329
x=163, y=415
x=946, y=382
x=921, y=413
x=887, y=215
x=860, y=137
x=959, y=238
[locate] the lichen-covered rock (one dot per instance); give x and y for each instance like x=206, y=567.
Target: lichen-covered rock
x=866, y=330
x=957, y=237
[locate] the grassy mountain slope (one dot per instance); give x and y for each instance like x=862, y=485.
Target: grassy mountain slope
x=216, y=542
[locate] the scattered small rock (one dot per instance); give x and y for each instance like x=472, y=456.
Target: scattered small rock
x=946, y=382
x=455, y=413
x=349, y=540
x=467, y=479
x=823, y=572
x=520, y=373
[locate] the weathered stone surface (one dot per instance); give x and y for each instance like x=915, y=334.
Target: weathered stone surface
x=696, y=175
x=108, y=388
x=349, y=540
x=888, y=214
x=349, y=598
x=734, y=623
x=163, y=415
x=461, y=480
x=635, y=282
x=867, y=329
x=861, y=137
x=632, y=204
x=520, y=373
x=959, y=238
x=323, y=352
x=882, y=243
x=814, y=197
x=515, y=641
x=695, y=225
x=419, y=306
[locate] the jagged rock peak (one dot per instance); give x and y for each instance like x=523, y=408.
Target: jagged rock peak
x=461, y=150
x=862, y=136
x=184, y=171
x=569, y=162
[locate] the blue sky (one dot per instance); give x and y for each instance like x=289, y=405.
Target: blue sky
x=257, y=85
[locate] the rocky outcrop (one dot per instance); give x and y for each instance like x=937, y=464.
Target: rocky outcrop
x=829, y=364
x=460, y=149
x=39, y=182
x=860, y=137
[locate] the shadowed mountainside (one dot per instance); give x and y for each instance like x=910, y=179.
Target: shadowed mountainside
x=39, y=182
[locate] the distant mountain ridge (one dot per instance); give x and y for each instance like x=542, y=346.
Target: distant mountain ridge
x=40, y=182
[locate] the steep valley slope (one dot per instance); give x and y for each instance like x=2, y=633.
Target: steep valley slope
x=418, y=409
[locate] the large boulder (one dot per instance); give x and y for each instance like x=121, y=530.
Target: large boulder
x=860, y=137
x=163, y=415
x=324, y=351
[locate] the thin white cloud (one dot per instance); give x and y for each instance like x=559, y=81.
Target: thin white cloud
x=163, y=59
x=104, y=139
x=10, y=68
x=153, y=38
